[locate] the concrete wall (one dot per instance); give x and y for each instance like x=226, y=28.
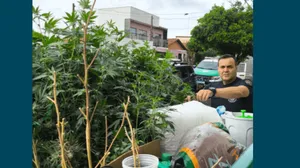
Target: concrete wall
x=177, y=52
x=121, y=15
x=127, y=24
x=184, y=55
x=117, y=15
x=143, y=16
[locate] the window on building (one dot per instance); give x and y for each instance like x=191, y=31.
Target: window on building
x=142, y=34
x=184, y=58
x=180, y=56
x=133, y=30
x=133, y=33
x=157, y=36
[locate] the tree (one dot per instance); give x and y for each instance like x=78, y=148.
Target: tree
x=229, y=31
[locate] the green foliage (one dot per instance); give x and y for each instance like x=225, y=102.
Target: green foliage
x=118, y=71
x=226, y=31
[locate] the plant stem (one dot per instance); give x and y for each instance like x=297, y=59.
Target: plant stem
x=64, y=165
x=216, y=164
x=59, y=125
x=85, y=83
x=86, y=70
x=115, y=137
x=133, y=141
x=36, y=160
x=106, y=140
x=94, y=111
x=137, y=117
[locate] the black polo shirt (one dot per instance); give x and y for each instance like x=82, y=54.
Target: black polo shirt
x=234, y=105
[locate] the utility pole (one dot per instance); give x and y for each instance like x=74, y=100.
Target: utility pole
x=151, y=31
x=73, y=10
x=73, y=7
x=187, y=14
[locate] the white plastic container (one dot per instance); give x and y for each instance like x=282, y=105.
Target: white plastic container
x=146, y=161
x=240, y=129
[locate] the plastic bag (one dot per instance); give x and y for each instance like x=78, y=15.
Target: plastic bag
x=185, y=117
x=205, y=144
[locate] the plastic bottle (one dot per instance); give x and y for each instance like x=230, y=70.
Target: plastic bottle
x=221, y=110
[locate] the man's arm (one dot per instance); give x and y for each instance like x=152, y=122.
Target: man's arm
x=243, y=90
x=189, y=98
x=232, y=92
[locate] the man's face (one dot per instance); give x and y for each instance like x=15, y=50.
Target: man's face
x=227, y=69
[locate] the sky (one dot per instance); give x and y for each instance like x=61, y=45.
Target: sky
x=171, y=12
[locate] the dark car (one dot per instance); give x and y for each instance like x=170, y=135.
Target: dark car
x=187, y=74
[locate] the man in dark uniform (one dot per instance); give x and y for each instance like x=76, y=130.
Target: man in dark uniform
x=232, y=92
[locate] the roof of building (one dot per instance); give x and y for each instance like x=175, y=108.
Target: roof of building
x=184, y=39
x=173, y=40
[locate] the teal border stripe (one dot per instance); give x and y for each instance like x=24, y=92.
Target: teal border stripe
x=15, y=84
x=276, y=90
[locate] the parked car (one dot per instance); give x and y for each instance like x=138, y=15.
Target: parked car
x=245, y=70
x=185, y=72
x=207, y=71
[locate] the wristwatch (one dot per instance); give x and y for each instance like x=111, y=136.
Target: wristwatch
x=213, y=91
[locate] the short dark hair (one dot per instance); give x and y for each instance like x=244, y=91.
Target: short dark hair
x=227, y=56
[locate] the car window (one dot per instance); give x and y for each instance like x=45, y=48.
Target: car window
x=241, y=67
x=211, y=65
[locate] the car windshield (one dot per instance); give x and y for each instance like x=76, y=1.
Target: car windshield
x=212, y=65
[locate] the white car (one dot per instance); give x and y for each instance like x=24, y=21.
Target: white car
x=245, y=70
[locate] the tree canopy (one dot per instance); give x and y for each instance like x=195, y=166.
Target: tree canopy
x=228, y=31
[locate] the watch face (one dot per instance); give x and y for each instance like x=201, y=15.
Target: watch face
x=212, y=88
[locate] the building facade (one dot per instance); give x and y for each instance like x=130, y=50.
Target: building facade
x=140, y=25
